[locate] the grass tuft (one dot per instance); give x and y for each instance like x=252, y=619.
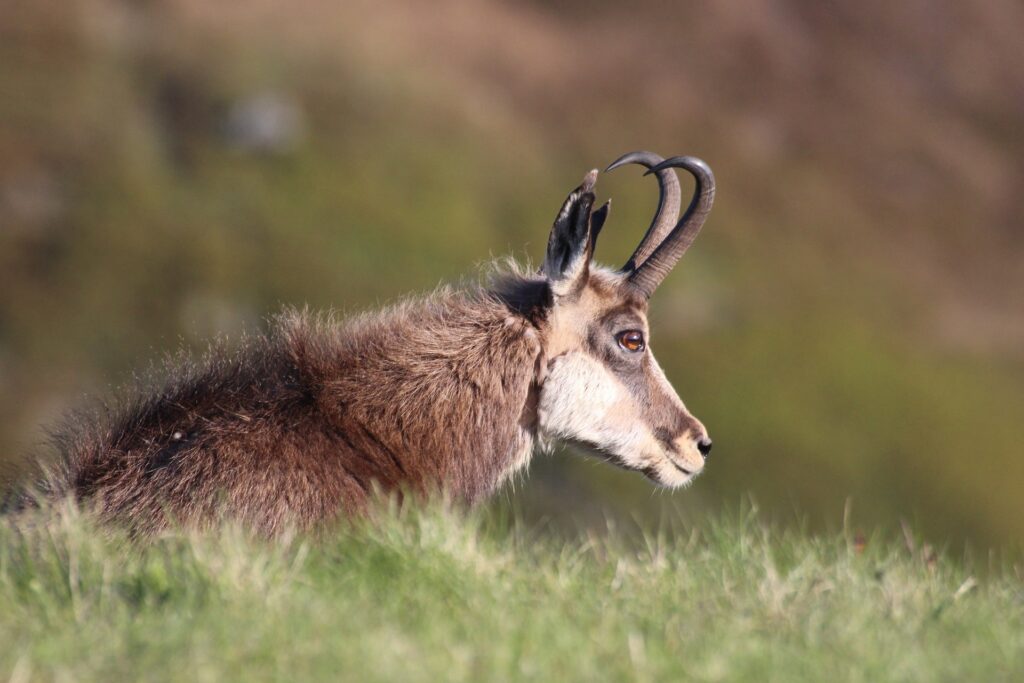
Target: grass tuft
x=440, y=595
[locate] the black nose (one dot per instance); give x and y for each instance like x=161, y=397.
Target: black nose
x=704, y=446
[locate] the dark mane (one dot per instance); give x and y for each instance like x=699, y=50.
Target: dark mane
x=528, y=294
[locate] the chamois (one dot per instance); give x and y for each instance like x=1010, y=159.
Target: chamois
x=448, y=393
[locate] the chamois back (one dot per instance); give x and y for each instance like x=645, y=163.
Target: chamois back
x=303, y=423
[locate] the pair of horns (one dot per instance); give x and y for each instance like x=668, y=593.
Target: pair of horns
x=668, y=236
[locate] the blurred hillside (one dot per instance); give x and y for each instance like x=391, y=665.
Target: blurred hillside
x=850, y=324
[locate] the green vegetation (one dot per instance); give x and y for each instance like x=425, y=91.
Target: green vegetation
x=441, y=596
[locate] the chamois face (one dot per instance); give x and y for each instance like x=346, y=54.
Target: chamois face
x=604, y=390
x=602, y=387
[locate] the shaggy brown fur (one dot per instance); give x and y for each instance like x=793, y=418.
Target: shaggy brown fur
x=303, y=424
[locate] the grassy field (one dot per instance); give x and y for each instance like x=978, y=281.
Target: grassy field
x=441, y=596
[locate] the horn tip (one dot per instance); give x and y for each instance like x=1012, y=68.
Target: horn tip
x=642, y=157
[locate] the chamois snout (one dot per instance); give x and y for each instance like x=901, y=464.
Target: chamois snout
x=683, y=457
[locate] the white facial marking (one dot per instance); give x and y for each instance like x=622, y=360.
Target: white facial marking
x=582, y=401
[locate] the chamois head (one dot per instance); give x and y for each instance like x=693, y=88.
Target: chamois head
x=601, y=387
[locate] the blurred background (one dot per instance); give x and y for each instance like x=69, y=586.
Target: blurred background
x=850, y=325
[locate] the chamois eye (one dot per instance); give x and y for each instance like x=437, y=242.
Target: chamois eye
x=632, y=340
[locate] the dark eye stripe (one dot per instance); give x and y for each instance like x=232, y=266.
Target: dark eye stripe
x=632, y=341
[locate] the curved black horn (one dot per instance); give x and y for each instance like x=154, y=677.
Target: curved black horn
x=649, y=274
x=668, y=204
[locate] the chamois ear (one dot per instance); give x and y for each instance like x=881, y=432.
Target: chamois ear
x=570, y=246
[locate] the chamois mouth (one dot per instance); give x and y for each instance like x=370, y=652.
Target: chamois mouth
x=688, y=475
x=680, y=467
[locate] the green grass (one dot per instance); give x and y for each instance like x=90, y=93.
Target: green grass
x=444, y=596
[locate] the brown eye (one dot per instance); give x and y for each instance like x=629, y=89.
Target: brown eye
x=632, y=340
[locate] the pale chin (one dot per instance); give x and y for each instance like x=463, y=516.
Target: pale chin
x=667, y=476
x=664, y=473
